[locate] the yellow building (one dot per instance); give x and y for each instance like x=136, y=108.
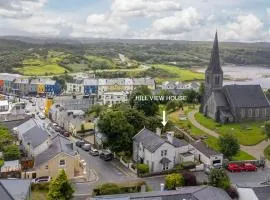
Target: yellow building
x=41, y=88
x=48, y=105
x=116, y=88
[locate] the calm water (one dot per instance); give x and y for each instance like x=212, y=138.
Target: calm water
x=245, y=75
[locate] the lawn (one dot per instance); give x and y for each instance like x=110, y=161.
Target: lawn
x=38, y=194
x=196, y=133
x=248, y=133
x=182, y=73
x=267, y=152
x=41, y=70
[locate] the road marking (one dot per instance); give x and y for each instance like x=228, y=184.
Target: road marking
x=119, y=168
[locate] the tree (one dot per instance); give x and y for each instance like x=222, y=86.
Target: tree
x=219, y=178
x=82, y=128
x=191, y=96
x=229, y=145
x=173, y=105
x=11, y=152
x=96, y=109
x=267, y=129
x=60, y=188
x=165, y=93
x=174, y=180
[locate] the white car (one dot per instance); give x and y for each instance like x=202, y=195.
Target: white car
x=41, y=116
x=42, y=179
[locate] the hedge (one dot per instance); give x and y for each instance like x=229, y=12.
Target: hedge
x=142, y=168
x=188, y=165
x=40, y=186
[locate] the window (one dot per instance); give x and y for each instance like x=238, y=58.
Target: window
x=250, y=112
x=265, y=112
x=165, y=166
x=163, y=153
x=257, y=112
x=62, y=162
x=243, y=113
x=217, y=80
x=46, y=167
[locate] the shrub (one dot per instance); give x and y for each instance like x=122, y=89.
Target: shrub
x=40, y=186
x=178, y=167
x=188, y=165
x=219, y=178
x=232, y=192
x=1, y=163
x=190, y=179
x=142, y=168
x=174, y=180
x=109, y=188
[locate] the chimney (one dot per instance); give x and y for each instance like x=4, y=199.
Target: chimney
x=158, y=132
x=170, y=136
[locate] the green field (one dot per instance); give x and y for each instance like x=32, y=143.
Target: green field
x=183, y=74
x=196, y=133
x=247, y=133
x=41, y=70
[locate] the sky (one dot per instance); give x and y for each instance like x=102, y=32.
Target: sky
x=196, y=20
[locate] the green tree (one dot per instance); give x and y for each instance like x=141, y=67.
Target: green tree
x=174, y=180
x=60, y=188
x=96, y=109
x=219, y=178
x=191, y=96
x=267, y=129
x=109, y=188
x=165, y=94
x=142, y=168
x=174, y=105
x=229, y=145
x=11, y=152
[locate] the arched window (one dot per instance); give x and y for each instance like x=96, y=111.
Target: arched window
x=250, y=112
x=217, y=80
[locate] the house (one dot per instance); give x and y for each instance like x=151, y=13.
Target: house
x=59, y=155
x=21, y=86
x=115, y=97
x=33, y=88
x=231, y=103
x=149, y=82
x=128, y=84
x=160, y=153
x=6, y=82
x=184, y=193
x=251, y=191
x=90, y=86
x=206, y=155
x=15, y=189
x=11, y=169
x=76, y=86
x=4, y=105
x=49, y=86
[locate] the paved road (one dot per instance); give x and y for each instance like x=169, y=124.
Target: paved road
x=256, y=150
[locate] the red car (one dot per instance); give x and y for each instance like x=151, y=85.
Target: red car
x=234, y=167
x=249, y=167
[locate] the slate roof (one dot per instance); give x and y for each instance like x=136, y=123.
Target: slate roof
x=58, y=145
x=262, y=193
x=214, y=65
x=200, y=146
x=26, y=126
x=188, y=193
x=220, y=98
x=150, y=140
x=178, y=143
x=245, y=96
x=14, y=189
x=35, y=136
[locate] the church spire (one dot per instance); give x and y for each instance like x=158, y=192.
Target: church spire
x=214, y=65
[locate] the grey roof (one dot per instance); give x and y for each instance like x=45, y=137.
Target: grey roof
x=164, y=160
x=12, y=124
x=35, y=136
x=188, y=193
x=200, y=146
x=220, y=98
x=90, y=81
x=17, y=189
x=58, y=145
x=214, y=65
x=245, y=96
x=262, y=193
x=26, y=126
x=22, y=80
x=178, y=143
x=150, y=140
x=4, y=194
x=8, y=77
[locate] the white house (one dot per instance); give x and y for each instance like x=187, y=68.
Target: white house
x=75, y=86
x=4, y=105
x=115, y=97
x=160, y=153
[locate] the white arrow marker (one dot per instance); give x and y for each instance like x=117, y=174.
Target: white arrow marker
x=164, y=122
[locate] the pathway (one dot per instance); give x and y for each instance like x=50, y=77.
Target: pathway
x=256, y=150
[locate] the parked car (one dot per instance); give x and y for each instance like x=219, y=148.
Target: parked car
x=79, y=143
x=94, y=152
x=42, y=179
x=57, y=128
x=234, y=168
x=86, y=147
x=66, y=134
x=106, y=155
x=249, y=167
x=41, y=116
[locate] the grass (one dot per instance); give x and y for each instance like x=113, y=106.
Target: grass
x=182, y=73
x=41, y=70
x=247, y=133
x=38, y=194
x=196, y=133
x=267, y=152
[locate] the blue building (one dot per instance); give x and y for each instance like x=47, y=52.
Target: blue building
x=57, y=88
x=49, y=86
x=90, y=86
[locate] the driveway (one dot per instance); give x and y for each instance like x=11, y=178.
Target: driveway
x=256, y=150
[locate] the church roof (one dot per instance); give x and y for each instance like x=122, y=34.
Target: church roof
x=245, y=96
x=220, y=98
x=214, y=65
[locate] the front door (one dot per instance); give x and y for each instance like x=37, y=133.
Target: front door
x=34, y=175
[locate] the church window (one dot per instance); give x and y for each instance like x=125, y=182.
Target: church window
x=250, y=112
x=243, y=113
x=217, y=80
x=257, y=112
x=265, y=112
x=207, y=79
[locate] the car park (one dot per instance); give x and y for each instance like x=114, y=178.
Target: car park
x=86, y=147
x=79, y=143
x=234, y=168
x=42, y=179
x=106, y=155
x=94, y=152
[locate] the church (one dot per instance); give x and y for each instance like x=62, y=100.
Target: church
x=231, y=103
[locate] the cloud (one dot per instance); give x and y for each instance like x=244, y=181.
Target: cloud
x=20, y=8
x=244, y=28
x=180, y=22
x=146, y=8
x=268, y=11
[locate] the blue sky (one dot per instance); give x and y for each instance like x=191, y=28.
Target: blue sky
x=235, y=20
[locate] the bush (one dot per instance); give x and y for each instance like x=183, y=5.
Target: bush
x=188, y=165
x=174, y=180
x=219, y=178
x=232, y=192
x=1, y=163
x=190, y=179
x=178, y=167
x=109, y=188
x=40, y=186
x=142, y=168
